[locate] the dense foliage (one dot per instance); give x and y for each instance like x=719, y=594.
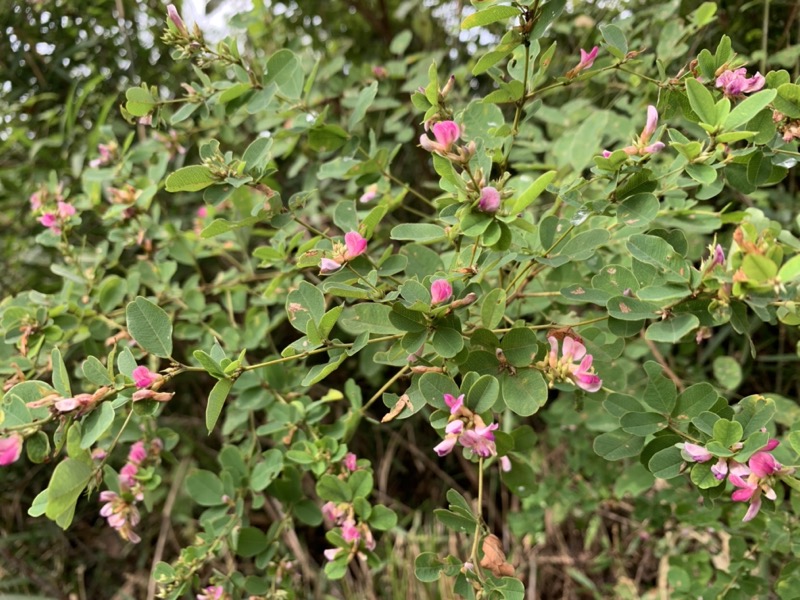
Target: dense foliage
x=505, y=295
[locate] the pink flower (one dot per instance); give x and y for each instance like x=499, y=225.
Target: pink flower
x=453, y=431
x=36, y=200
x=564, y=367
x=120, y=515
x=606, y=153
x=370, y=193
x=69, y=404
x=490, y=200
x=355, y=245
x=480, y=440
x=212, y=592
x=202, y=212
x=127, y=475
x=446, y=134
x=696, y=453
x=350, y=461
x=441, y=290
x=651, y=125
x=10, y=449
x=641, y=147
x=144, y=377
x=505, y=463
x=454, y=403
x=350, y=532
x=587, y=60
x=719, y=256
x=326, y=265
x=736, y=83
x=332, y=512
x=151, y=395
x=138, y=453
x=50, y=221
x=172, y=14
x=761, y=466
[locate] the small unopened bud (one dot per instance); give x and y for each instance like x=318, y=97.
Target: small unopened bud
x=448, y=87
x=465, y=301
x=173, y=15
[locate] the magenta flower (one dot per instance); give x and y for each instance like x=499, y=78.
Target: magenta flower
x=695, y=453
x=480, y=440
x=202, y=212
x=355, y=245
x=138, y=453
x=50, y=221
x=641, y=147
x=587, y=60
x=446, y=134
x=564, y=367
x=349, y=461
x=762, y=466
x=454, y=403
x=606, y=153
x=441, y=290
x=144, y=377
x=10, y=449
x=736, y=83
x=326, y=265
x=490, y=200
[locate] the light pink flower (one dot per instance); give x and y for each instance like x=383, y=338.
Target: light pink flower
x=172, y=14
x=505, y=463
x=350, y=533
x=441, y=290
x=696, y=453
x=490, y=200
x=36, y=200
x=564, y=367
x=332, y=553
x=736, y=83
x=454, y=403
x=327, y=265
x=480, y=440
x=453, y=430
x=606, y=153
x=355, y=245
x=120, y=515
x=332, y=512
x=211, y=592
x=10, y=449
x=370, y=193
x=651, y=125
x=446, y=134
x=70, y=404
x=144, y=377
x=349, y=461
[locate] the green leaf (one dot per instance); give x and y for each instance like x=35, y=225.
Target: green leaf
x=428, y=566
x=520, y=346
x=216, y=400
x=60, y=377
x=794, y=440
x=754, y=413
x=493, y=307
x=617, y=444
x=666, y=463
x=447, y=341
x=286, y=71
x=626, y=308
x=493, y=14
x=140, y=102
x=758, y=268
x=360, y=483
x=205, y=488
x=367, y=317
x=69, y=479
x=257, y=153
x=96, y=372
x=672, y=329
x=333, y=489
x=702, y=476
x=454, y=520
x=483, y=394
x=727, y=432
x=266, y=470
x=190, y=179
x=549, y=13
x=637, y=210
x=701, y=101
x=382, y=518
x=656, y=251
x=418, y=232
x=150, y=326
x=251, y=541
x=401, y=41
x=363, y=102
x=525, y=392
x=96, y=424
x=748, y=108
x=615, y=39
x=788, y=100
x=488, y=60
x=694, y=400
x=533, y=191
x=727, y=371
x=306, y=303
x=790, y=271
x=643, y=424
x=660, y=393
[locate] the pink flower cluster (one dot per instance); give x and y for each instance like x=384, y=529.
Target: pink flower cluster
x=564, y=367
x=341, y=515
x=148, y=383
x=736, y=82
x=467, y=429
x=120, y=509
x=751, y=479
x=354, y=245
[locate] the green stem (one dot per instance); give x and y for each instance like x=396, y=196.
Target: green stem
x=479, y=519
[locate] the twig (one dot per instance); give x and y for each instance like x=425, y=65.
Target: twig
x=662, y=361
